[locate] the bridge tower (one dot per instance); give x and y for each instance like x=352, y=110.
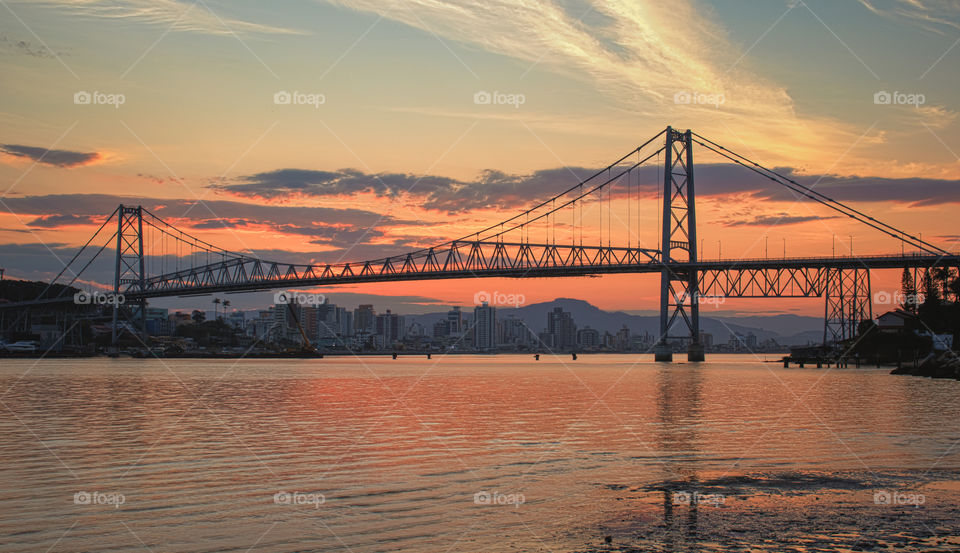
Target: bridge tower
x=679, y=293
x=129, y=274
x=848, y=303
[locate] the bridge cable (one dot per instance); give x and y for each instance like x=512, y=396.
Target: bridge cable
x=801, y=191
x=567, y=191
x=75, y=256
x=822, y=198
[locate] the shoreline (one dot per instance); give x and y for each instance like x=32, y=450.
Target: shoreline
x=397, y=354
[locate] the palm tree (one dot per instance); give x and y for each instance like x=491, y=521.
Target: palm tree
x=216, y=304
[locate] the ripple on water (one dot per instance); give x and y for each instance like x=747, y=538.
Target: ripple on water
x=472, y=453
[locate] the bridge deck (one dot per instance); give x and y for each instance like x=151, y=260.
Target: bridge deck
x=550, y=271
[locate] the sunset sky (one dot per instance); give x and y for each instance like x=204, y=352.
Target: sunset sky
x=388, y=151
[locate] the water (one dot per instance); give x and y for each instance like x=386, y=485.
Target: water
x=473, y=453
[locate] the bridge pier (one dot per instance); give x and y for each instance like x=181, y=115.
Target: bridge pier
x=695, y=353
x=662, y=352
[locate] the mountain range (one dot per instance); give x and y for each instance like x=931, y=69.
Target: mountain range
x=785, y=329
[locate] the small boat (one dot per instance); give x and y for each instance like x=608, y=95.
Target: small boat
x=21, y=347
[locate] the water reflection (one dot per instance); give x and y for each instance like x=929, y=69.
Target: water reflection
x=399, y=449
x=679, y=416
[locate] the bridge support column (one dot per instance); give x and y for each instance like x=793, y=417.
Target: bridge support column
x=695, y=353
x=848, y=303
x=129, y=268
x=663, y=352
x=679, y=284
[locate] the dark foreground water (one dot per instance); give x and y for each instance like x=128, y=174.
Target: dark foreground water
x=474, y=454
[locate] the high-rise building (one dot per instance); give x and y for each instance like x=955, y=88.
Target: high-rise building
x=588, y=337
x=285, y=317
x=706, y=339
x=484, y=327
x=328, y=323
x=237, y=319
x=365, y=319
x=390, y=328
x=545, y=339
x=622, y=341
x=310, y=320
x=261, y=326
x=455, y=326
x=514, y=332
x=560, y=325
x=157, y=321
x=608, y=341
x=345, y=318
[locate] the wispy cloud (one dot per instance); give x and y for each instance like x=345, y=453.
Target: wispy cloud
x=935, y=15
x=56, y=158
x=188, y=16
x=771, y=219
x=640, y=54
x=64, y=220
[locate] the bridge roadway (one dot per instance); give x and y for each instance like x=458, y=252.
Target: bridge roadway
x=622, y=260
x=719, y=277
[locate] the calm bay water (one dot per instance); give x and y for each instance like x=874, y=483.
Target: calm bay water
x=474, y=453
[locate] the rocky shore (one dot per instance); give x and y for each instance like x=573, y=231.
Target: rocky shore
x=942, y=365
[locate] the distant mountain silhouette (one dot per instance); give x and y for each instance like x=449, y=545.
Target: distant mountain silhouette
x=785, y=329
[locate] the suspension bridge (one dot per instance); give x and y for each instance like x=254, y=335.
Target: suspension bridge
x=570, y=234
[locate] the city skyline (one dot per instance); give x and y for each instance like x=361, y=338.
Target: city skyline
x=331, y=329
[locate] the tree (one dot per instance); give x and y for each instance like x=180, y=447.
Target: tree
x=930, y=291
x=908, y=290
x=198, y=316
x=955, y=288
x=941, y=276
